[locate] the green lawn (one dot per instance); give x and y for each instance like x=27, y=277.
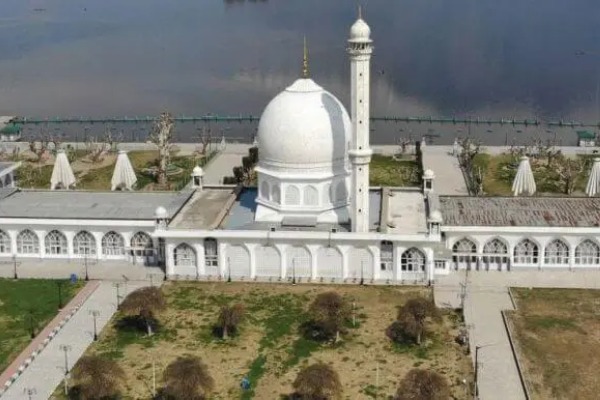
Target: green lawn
x=386, y=171
x=22, y=301
x=499, y=172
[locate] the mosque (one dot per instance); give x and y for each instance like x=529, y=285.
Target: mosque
x=313, y=216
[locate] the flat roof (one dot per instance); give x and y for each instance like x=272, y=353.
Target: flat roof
x=204, y=210
x=520, y=211
x=73, y=204
x=406, y=213
x=241, y=216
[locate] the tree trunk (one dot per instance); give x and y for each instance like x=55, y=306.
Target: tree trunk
x=337, y=336
x=149, y=327
x=162, y=168
x=225, y=336
x=419, y=338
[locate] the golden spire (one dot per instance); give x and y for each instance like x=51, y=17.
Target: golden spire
x=305, y=61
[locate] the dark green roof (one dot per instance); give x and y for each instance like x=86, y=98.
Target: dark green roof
x=586, y=135
x=11, y=129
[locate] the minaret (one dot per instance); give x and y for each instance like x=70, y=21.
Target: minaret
x=360, y=50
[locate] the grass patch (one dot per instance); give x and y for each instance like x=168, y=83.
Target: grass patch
x=386, y=171
x=557, y=335
x=269, y=349
x=22, y=299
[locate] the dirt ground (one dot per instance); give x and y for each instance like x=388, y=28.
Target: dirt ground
x=558, y=336
x=268, y=348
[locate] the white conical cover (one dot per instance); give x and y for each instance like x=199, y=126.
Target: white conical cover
x=524, y=181
x=594, y=181
x=62, y=174
x=124, y=176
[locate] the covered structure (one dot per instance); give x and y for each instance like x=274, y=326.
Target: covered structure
x=124, y=177
x=524, y=182
x=62, y=174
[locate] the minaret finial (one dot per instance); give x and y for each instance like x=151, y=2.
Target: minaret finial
x=359, y=11
x=305, y=61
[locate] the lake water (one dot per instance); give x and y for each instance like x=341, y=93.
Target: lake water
x=486, y=58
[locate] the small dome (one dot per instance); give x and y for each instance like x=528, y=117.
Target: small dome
x=160, y=213
x=303, y=127
x=360, y=31
x=436, y=216
x=197, y=171
x=428, y=174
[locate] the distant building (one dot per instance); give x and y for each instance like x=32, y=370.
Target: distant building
x=10, y=129
x=586, y=139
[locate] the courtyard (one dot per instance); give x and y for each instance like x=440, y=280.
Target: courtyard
x=26, y=306
x=268, y=348
x=558, y=336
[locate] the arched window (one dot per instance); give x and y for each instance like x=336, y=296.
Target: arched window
x=387, y=255
x=211, y=252
x=56, y=243
x=264, y=190
x=311, y=196
x=292, y=196
x=340, y=192
x=587, y=253
x=184, y=255
x=141, y=244
x=84, y=243
x=495, y=246
x=526, y=252
x=113, y=244
x=28, y=242
x=276, y=194
x=327, y=199
x=4, y=242
x=464, y=253
x=413, y=260
x=556, y=253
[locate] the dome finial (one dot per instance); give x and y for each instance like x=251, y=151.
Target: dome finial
x=359, y=11
x=305, y=61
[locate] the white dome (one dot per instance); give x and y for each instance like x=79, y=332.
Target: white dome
x=428, y=174
x=160, y=212
x=197, y=171
x=360, y=31
x=304, y=127
x=436, y=216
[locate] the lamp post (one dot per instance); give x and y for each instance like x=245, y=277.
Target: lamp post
x=95, y=314
x=14, y=257
x=85, y=263
x=293, y=271
x=31, y=323
x=59, y=287
x=117, y=285
x=362, y=276
x=228, y=270
x=66, y=348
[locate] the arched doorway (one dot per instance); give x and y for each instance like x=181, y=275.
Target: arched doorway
x=495, y=255
x=238, y=262
x=268, y=262
x=329, y=263
x=464, y=254
x=298, y=262
x=360, y=264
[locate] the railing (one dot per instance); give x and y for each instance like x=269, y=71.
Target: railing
x=254, y=118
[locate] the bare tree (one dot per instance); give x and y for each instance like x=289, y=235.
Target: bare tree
x=317, y=382
x=144, y=303
x=229, y=318
x=40, y=148
x=161, y=135
x=404, y=142
x=411, y=320
x=420, y=384
x=187, y=378
x=96, y=377
x=568, y=170
x=205, y=138
x=330, y=311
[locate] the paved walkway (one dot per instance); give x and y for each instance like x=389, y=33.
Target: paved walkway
x=62, y=269
x=449, y=179
x=47, y=370
x=223, y=163
x=486, y=296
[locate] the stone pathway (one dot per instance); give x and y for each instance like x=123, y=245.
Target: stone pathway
x=47, y=370
x=222, y=164
x=449, y=179
x=486, y=296
x=38, y=342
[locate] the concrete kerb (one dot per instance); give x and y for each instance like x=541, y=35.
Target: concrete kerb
x=513, y=349
x=13, y=378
